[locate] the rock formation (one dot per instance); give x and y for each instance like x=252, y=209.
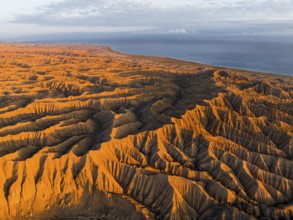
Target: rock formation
x=89, y=132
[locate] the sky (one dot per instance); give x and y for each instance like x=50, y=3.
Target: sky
x=26, y=17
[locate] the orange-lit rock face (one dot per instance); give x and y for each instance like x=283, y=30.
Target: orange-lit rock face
x=88, y=132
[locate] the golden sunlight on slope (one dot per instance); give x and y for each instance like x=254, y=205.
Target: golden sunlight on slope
x=88, y=132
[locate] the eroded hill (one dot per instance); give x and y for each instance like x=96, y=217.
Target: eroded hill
x=87, y=132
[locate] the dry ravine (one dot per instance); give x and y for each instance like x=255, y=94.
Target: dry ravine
x=89, y=132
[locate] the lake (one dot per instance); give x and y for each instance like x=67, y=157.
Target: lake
x=269, y=55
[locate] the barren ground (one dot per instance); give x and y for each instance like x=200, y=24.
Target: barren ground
x=88, y=132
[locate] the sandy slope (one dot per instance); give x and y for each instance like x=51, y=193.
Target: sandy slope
x=85, y=131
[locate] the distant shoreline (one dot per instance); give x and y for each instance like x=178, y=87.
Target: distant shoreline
x=111, y=49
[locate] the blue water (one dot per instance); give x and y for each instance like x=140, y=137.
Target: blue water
x=272, y=56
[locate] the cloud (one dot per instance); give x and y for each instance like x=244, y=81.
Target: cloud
x=178, y=30
x=161, y=14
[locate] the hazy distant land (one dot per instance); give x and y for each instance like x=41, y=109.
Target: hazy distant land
x=89, y=132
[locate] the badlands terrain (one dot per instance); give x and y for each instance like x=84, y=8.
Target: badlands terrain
x=88, y=132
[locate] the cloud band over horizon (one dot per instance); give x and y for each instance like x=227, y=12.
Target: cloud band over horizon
x=274, y=16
